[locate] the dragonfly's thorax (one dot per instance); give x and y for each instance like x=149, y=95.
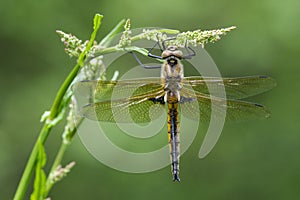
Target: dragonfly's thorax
x=172, y=68
x=172, y=75
x=172, y=85
x=172, y=61
x=172, y=72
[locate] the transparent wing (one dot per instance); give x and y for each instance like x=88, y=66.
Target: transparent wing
x=236, y=88
x=235, y=110
x=128, y=100
x=137, y=108
x=106, y=90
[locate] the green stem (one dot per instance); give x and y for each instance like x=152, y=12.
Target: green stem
x=23, y=184
x=43, y=135
x=63, y=89
x=59, y=156
x=56, y=163
x=54, y=109
x=27, y=174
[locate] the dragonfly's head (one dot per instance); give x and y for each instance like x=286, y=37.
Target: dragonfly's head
x=172, y=52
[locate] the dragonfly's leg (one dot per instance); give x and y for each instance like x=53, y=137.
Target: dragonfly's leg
x=140, y=63
x=163, y=43
x=152, y=55
x=161, y=49
x=160, y=100
x=190, y=51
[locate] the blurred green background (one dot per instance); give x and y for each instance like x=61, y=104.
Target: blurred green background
x=252, y=160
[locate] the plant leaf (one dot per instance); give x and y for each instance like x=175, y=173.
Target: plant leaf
x=40, y=176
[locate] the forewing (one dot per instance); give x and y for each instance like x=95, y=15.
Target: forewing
x=107, y=90
x=235, y=88
x=136, y=109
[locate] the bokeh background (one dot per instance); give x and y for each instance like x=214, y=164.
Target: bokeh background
x=252, y=160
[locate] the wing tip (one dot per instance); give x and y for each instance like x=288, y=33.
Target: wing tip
x=267, y=113
x=269, y=79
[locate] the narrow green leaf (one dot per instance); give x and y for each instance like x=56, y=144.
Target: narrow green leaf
x=97, y=21
x=169, y=31
x=40, y=176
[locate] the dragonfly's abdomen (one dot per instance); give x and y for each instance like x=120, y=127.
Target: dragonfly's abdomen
x=173, y=136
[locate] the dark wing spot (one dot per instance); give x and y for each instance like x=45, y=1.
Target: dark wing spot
x=256, y=104
x=263, y=76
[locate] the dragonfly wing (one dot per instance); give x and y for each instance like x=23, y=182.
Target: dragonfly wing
x=235, y=109
x=106, y=90
x=235, y=88
x=136, y=109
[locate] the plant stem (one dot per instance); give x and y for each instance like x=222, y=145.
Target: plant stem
x=23, y=184
x=63, y=89
x=44, y=134
x=59, y=156
x=56, y=163
x=27, y=174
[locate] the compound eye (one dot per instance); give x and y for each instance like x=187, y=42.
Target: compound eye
x=178, y=54
x=166, y=54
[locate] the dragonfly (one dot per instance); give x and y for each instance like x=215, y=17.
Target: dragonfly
x=128, y=101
